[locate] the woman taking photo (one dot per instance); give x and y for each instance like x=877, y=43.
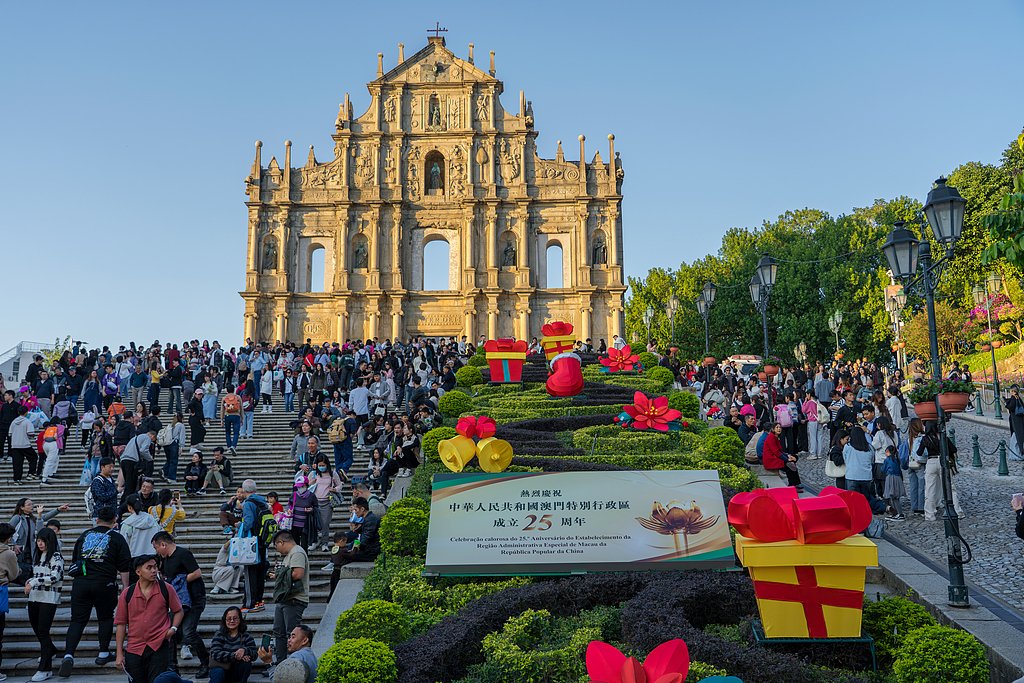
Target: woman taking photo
x=43, y=591
x=168, y=511
x=233, y=650
x=27, y=522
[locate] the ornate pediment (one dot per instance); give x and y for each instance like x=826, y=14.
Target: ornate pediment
x=434, y=64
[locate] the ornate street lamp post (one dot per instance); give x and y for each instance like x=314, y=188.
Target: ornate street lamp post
x=984, y=298
x=895, y=302
x=800, y=352
x=760, y=290
x=834, y=322
x=670, y=309
x=648, y=317
x=704, y=302
x=944, y=209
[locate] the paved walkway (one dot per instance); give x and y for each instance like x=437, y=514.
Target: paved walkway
x=998, y=555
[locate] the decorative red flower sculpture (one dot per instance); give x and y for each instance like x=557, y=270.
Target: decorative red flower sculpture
x=620, y=360
x=667, y=663
x=481, y=427
x=651, y=413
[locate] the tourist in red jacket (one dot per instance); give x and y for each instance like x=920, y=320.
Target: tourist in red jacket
x=775, y=460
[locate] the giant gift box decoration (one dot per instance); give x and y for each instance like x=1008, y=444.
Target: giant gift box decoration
x=505, y=358
x=566, y=377
x=493, y=455
x=806, y=559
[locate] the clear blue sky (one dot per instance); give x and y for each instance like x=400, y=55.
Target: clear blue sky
x=128, y=128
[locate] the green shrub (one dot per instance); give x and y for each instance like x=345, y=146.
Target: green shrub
x=404, y=532
x=635, y=383
x=890, y=620
x=409, y=502
x=661, y=375
x=648, y=360
x=723, y=444
x=468, y=375
x=428, y=446
x=356, y=660
x=686, y=403
x=375, y=619
x=377, y=584
x=523, y=652
x=700, y=670
x=939, y=654
x=478, y=361
x=454, y=403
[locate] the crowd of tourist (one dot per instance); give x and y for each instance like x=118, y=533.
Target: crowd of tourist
x=142, y=416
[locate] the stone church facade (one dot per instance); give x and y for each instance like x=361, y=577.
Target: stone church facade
x=436, y=156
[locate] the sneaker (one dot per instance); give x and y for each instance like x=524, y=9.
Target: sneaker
x=228, y=531
x=186, y=652
x=204, y=672
x=201, y=492
x=895, y=518
x=217, y=590
x=223, y=492
x=66, y=665
x=46, y=482
x=171, y=481
x=19, y=483
x=329, y=567
x=42, y=676
x=325, y=548
x=258, y=607
x=103, y=659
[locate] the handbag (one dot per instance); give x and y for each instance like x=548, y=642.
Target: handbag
x=243, y=551
x=337, y=500
x=5, y=599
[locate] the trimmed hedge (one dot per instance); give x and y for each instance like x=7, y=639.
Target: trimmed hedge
x=661, y=375
x=477, y=361
x=723, y=444
x=409, y=502
x=939, y=654
x=522, y=651
x=648, y=360
x=454, y=403
x=356, y=660
x=890, y=620
x=404, y=532
x=468, y=376
x=378, y=620
x=686, y=403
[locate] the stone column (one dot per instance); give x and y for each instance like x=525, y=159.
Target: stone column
x=586, y=312
x=524, y=323
x=613, y=233
x=468, y=327
x=340, y=328
x=250, y=326
x=614, y=320
x=492, y=321
x=254, y=220
x=396, y=325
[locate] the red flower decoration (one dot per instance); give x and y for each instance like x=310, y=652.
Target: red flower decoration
x=667, y=663
x=620, y=360
x=482, y=427
x=651, y=413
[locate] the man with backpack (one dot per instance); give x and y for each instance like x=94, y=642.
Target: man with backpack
x=179, y=567
x=142, y=615
x=258, y=521
x=231, y=409
x=100, y=555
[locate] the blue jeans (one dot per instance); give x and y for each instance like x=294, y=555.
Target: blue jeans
x=915, y=489
x=238, y=672
x=247, y=416
x=171, y=452
x=289, y=403
x=231, y=428
x=343, y=456
x=256, y=378
x=174, y=398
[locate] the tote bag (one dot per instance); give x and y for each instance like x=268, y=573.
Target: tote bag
x=243, y=551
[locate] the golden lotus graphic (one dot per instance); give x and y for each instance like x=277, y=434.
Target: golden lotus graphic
x=677, y=520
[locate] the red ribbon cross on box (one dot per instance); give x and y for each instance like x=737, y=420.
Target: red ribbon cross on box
x=812, y=596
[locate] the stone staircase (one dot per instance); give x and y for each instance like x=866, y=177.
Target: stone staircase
x=264, y=458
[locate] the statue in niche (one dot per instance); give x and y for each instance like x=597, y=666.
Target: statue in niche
x=482, y=105
x=359, y=256
x=435, y=176
x=600, y=251
x=389, y=109
x=270, y=255
x=435, y=113
x=510, y=254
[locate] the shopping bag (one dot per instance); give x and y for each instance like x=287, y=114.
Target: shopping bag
x=5, y=599
x=243, y=551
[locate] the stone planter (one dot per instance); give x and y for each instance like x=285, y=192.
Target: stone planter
x=710, y=360
x=771, y=370
x=954, y=402
x=763, y=376
x=986, y=347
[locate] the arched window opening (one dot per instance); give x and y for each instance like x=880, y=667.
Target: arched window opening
x=316, y=270
x=433, y=173
x=554, y=266
x=437, y=265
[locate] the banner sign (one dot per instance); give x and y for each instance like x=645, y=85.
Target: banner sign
x=570, y=522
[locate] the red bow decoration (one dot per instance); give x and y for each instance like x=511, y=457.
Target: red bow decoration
x=558, y=328
x=770, y=515
x=667, y=663
x=482, y=427
x=506, y=345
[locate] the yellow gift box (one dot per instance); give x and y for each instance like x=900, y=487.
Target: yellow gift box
x=809, y=590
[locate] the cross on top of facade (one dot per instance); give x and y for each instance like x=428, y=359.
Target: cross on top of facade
x=437, y=30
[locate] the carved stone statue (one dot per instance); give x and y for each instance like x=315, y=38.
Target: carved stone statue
x=510, y=254
x=600, y=251
x=389, y=109
x=435, y=176
x=359, y=256
x=435, y=114
x=270, y=255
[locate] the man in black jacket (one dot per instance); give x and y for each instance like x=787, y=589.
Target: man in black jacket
x=74, y=385
x=366, y=547
x=174, y=381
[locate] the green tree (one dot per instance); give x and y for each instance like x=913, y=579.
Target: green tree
x=1005, y=225
x=949, y=325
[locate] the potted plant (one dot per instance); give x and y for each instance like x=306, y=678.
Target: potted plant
x=769, y=367
x=953, y=395
x=710, y=361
